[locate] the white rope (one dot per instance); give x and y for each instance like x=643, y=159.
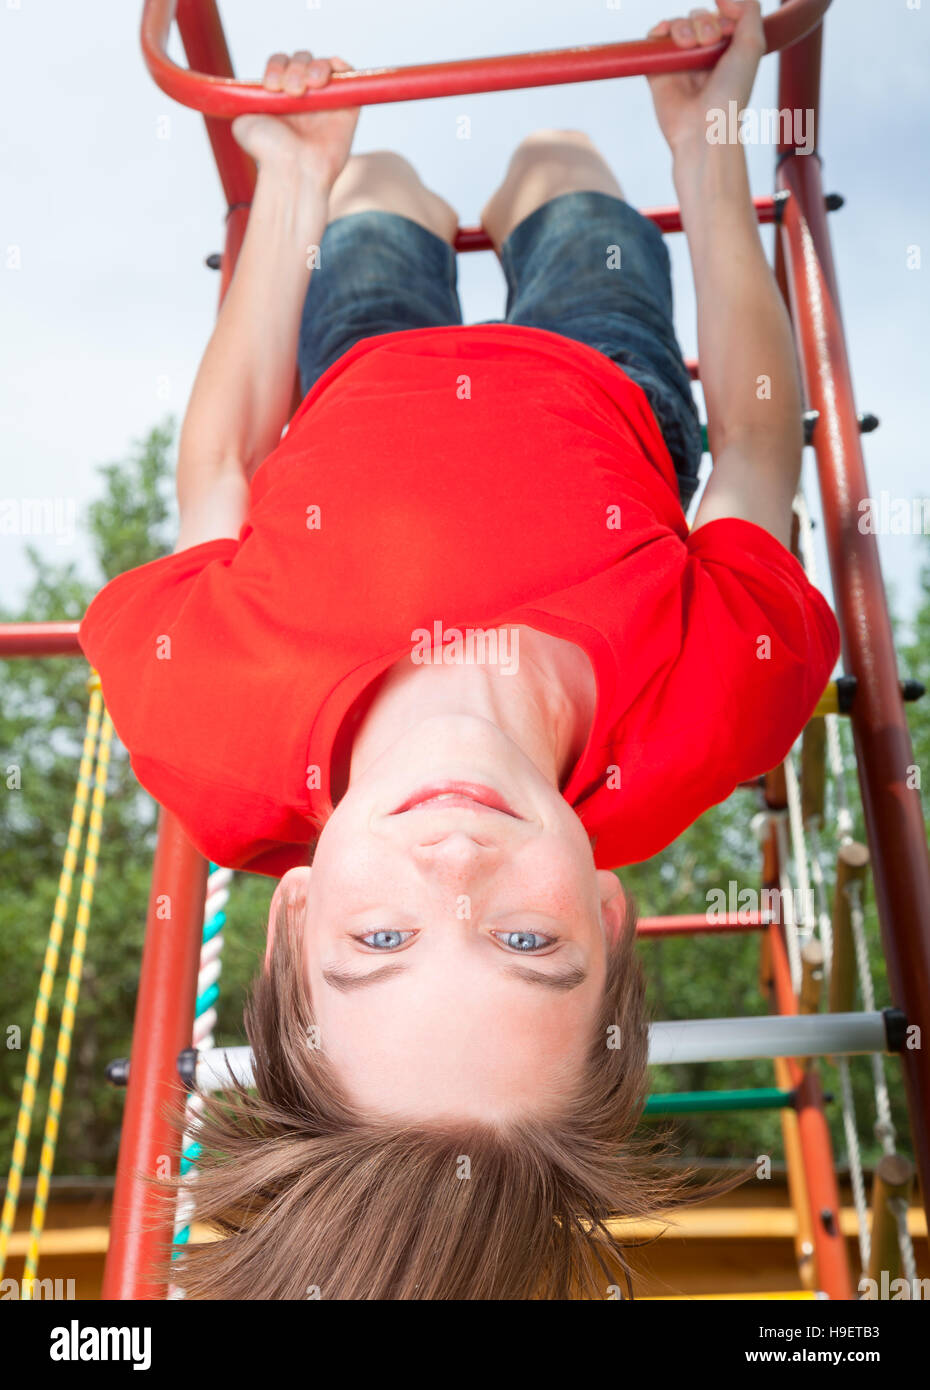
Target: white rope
x=805, y=535
x=844, y=820
x=899, y=1208
x=799, y=848
x=787, y=901
x=217, y=895
x=856, y=1174
x=884, y=1126
x=824, y=919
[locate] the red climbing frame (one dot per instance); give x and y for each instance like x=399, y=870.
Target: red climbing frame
x=140, y=1231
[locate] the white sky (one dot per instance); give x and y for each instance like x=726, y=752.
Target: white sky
x=111, y=306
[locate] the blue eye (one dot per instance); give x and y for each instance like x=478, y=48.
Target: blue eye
x=524, y=940
x=386, y=940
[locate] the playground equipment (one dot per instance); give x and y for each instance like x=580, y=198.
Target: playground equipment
x=799, y=951
x=95, y=762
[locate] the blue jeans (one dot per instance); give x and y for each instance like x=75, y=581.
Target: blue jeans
x=585, y=265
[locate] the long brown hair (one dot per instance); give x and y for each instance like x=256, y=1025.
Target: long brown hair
x=312, y=1200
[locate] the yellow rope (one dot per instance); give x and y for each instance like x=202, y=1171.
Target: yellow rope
x=50, y=966
x=69, y=1008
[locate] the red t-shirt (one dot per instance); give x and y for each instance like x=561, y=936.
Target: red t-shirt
x=475, y=477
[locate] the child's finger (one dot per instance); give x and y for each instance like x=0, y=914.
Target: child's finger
x=297, y=71
x=274, y=72
x=682, y=31
x=660, y=30
x=706, y=26
x=319, y=72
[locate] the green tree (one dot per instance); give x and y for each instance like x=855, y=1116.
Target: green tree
x=42, y=714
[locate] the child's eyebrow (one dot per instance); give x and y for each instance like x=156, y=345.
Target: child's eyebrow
x=346, y=980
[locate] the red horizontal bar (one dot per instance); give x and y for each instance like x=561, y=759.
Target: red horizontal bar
x=691, y=924
x=39, y=639
x=222, y=96
x=666, y=219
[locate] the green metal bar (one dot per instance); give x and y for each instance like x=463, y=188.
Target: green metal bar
x=694, y=1102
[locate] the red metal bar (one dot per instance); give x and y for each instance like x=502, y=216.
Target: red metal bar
x=220, y=96
x=894, y=822
x=830, y=1254
x=141, y=1223
x=39, y=639
x=689, y=924
x=204, y=43
x=666, y=219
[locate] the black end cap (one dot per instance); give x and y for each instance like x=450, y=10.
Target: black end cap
x=895, y=1029
x=846, y=692
x=187, y=1067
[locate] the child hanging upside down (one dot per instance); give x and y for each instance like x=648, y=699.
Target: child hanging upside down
x=452, y=640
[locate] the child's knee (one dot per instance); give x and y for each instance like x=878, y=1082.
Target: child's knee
x=548, y=143
x=385, y=181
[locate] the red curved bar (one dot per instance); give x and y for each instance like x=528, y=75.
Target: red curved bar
x=222, y=96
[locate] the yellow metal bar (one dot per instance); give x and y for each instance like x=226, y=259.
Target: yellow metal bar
x=797, y=1184
x=829, y=702
x=703, y=1297
x=740, y=1223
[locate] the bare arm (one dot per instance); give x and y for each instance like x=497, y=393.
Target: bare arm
x=242, y=393
x=748, y=365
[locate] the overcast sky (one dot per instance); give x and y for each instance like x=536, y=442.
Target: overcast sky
x=106, y=304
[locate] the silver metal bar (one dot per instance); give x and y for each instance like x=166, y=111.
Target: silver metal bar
x=696, y=1040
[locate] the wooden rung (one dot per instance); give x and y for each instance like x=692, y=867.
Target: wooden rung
x=813, y=768
x=852, y=865
x=811, y=977
x=894, y=1175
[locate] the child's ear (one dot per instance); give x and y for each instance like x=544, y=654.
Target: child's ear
x=613, y=903
x=290, y=896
